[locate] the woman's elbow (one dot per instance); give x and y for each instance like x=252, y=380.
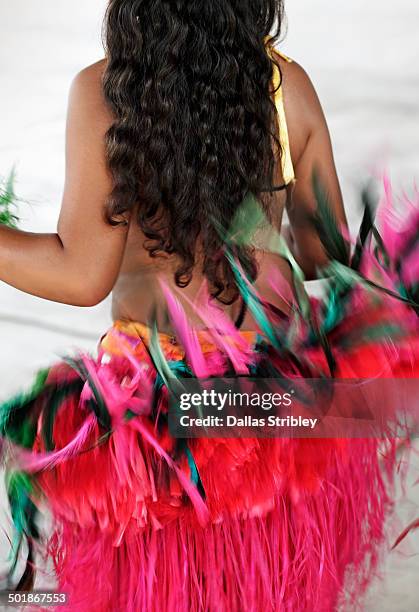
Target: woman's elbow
x=87, y=294
x=89, y=301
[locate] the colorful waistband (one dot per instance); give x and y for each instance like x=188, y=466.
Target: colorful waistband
x=136, y=336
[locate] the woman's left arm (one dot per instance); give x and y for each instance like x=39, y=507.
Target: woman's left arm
x=78, y=264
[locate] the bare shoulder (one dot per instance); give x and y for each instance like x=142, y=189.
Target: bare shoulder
x=90, y=78
x=86, y=93
x=302, y=105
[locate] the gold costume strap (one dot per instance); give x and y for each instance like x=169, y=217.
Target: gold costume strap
x=286, y=160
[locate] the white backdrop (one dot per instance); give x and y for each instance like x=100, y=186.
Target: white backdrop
x=363, y=59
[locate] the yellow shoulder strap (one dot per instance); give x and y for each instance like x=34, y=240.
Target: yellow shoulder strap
x=286, y=160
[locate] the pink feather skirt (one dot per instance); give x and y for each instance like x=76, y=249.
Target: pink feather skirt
x=145, y=521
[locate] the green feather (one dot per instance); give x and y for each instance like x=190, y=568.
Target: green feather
x=192, y=466
x=98, y=404
x=23, y=511
x=369, y=204
x=253, y=303
x=15, y=415
x=303, y=299
x=248, y=218
x=54, y=400
x=8, y=201
x=373, y=333
x=161, y=364
x=326, y=224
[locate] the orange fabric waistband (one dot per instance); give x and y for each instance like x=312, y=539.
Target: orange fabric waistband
x=168, y=342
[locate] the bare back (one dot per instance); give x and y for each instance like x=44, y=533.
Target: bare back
x=138, y=288
x=114, y=259
x=138, y=291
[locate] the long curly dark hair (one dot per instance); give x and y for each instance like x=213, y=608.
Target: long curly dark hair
x=189, y=83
